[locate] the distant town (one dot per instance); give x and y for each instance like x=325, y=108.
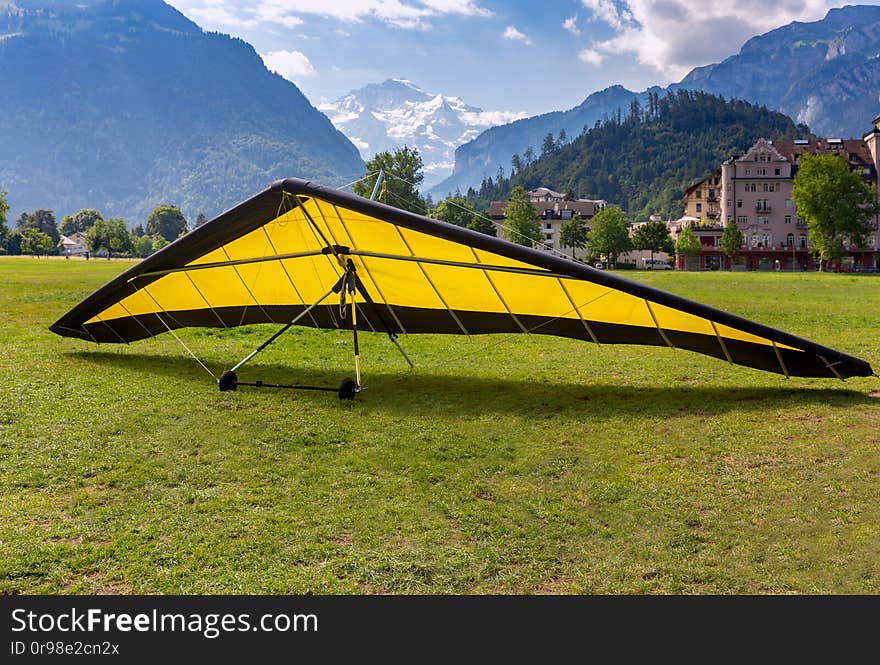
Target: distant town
x=752, y=191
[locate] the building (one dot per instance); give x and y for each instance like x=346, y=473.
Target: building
x=73, y=245
x=553, y=209
x=753, y=191
x=702, y=200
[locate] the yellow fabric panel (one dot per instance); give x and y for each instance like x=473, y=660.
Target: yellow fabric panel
x=611, y=306
x=268, y=283
x=313, y=276
x=369, y=234
x=529, y=294
x=217, y=256
x=496, y=260
x=423, y=245
x=217, y=287
x=403, y=283
x=292, y=233
x=674, y=319
x=733, y=333
x=253, y=245
x=464, y=288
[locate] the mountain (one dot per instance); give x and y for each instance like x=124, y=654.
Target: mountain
x=642, y=161
x=122, y=105
x=825, y=74
x=482, y=156
x=386, y=116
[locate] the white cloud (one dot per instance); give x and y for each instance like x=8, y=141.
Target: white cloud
x=491, y=118
x=513, y=34
x=407, y=14
x=591, y=57
x=292, y=65
x=570, y=24
x=674, y=36
x=277, y=12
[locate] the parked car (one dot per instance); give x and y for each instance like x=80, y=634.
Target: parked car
x=599, y=265
x=657, y=264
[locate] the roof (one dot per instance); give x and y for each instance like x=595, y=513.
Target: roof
x=581, y=207
x=855, y=151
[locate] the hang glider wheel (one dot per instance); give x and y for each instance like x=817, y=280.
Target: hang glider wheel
x=348, y=389
x=227, y=381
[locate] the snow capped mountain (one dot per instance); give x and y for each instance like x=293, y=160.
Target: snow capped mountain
x=389, y=115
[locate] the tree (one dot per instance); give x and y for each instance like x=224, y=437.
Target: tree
x=608, y=234
x=516, y=163
x=40, y=220
x=562, y=139
x=166, y=221
x=653, y=236
x=454, y=210
x=142, y=246
x=548, y=147
x=482, y=225
x=13, y=243
x=688, y=244
x=521, y=221
x=573, y=234
x=403, y=175
x=159, y=243
x=731, y=241
x=35, y=242
x=200, y=219
x=4, y=209
x=111, y=235
x=529, y=156
x=836, y=204
x=79, y=222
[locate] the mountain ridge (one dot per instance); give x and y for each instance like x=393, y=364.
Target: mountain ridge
x=823, y=73
x=138, y=106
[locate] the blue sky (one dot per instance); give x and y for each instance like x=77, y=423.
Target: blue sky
x=529, y=57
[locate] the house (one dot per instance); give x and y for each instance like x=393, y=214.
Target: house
x=73, y=245
x=553, y=209
x=753, y=191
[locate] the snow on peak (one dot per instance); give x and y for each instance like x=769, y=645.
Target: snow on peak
x=397, y=112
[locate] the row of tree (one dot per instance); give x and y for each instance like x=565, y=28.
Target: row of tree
x=38, y=232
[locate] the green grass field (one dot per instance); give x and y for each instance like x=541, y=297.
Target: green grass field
x=502, y=464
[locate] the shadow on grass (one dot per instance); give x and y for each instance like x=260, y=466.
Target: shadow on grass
x=425, y=393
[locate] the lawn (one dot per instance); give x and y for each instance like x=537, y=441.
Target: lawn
x=501, y=464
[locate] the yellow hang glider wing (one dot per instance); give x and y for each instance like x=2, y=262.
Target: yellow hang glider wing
x=279, y=255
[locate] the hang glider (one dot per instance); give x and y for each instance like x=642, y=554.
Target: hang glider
x=302, y=254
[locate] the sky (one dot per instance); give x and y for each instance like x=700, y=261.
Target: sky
x=514, y=56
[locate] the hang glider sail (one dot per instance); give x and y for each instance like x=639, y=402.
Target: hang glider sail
x=302, y=253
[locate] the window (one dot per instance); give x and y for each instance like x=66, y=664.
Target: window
x=789, y=240
x=699, y=207
x=742, y=219
x=762, y=171
x=776, y=172
x=748, y=171
x=711, y=193
x=739, y=203
x=763, y=220
x=803, y=240
x=788, y=204
x=548, y=226
x=788, y=219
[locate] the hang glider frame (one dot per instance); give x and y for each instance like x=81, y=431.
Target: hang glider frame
x=347, y=253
